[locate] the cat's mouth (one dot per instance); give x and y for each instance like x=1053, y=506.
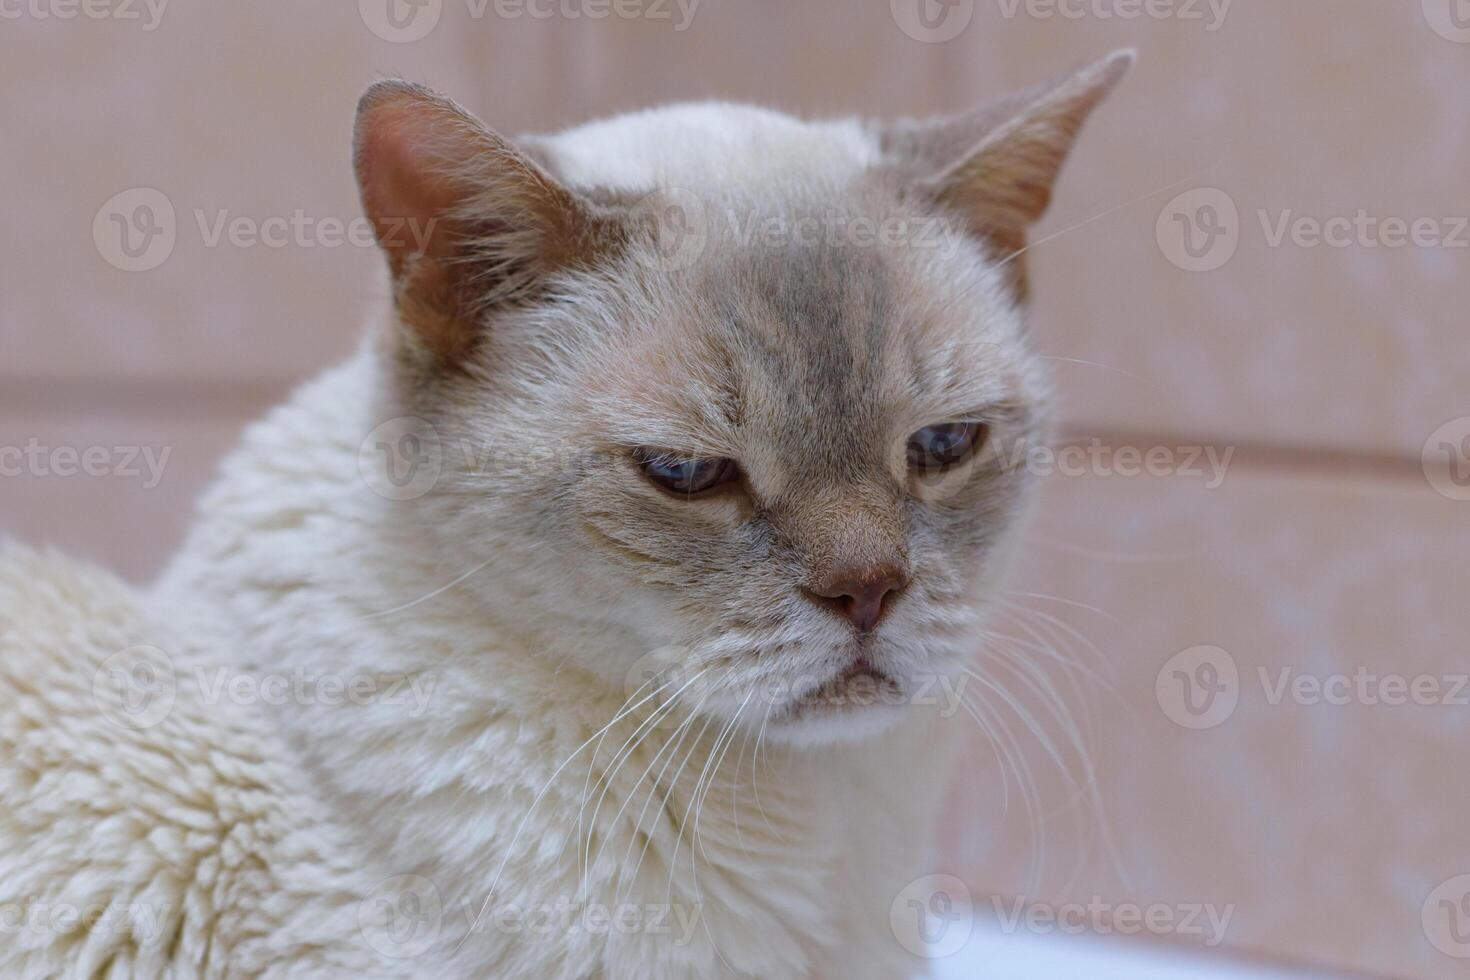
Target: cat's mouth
x=859, y=686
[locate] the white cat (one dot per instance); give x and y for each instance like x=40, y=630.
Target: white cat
x=602, y=616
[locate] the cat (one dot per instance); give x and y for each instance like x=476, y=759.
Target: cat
x=605, y=590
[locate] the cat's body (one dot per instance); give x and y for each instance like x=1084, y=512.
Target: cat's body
x=786, y=866
x=505, y=796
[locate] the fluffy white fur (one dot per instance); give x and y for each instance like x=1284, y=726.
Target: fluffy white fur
x=191, y=847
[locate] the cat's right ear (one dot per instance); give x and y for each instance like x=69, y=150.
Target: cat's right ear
x=995, y=167
x=468, y=222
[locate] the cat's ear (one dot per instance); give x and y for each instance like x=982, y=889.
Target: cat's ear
x=996, y=166
x=467, y=221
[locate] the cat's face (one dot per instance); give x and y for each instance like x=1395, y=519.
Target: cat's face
x=783, y=466
x=766, y=479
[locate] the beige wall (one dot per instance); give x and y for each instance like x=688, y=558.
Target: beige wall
x=1325, y=369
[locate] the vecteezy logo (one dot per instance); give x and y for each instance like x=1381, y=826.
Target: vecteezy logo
x=933, y=916
x=1198, y=688
x=401, y=459
x=1199, y=230
x=658, y=678
x=1450, y=19
x=402, y=916
x=677, y=221
x=932, y=21
x=1446, y=917
x=400, y=21
x=1446, y=459
x=136, y=687
x=135, y=229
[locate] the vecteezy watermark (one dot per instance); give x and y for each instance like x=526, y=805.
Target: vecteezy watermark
x=1201, y=688
x=1093, y=457
x=933, y=917
x=836, y=228
x=148, y=13
x=32, y=916
x=679, y=13
x=401, y=458
x=404, y=21
x=1363, y=230
x=400, y=21
x=1210, y=13
x=401, y=917
x=405, y=457
x=1446, y=459
x=677, y=222
x=1103, y=917
x=139, y=687
x=681, y=224
x=137, y=230
x=398, y=690
x=1201, y=230
x=675, y=674
x=1209, y=464
x=1365, y=687
x=932, y=21
x=302, y=230
x=135, y=687
x=1450, y=19
x=561, y=917
x=1446, y=917
x=34, y=459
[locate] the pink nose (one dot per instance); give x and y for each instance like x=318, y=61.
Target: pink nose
x=858, y=594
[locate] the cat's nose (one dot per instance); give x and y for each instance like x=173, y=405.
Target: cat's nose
x=860, y=595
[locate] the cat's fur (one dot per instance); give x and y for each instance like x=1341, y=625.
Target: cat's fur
x=542, y=330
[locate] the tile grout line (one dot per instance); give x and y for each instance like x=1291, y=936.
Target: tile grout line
x=1278, y=457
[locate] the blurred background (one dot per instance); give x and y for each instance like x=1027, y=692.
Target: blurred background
x=1253, y=288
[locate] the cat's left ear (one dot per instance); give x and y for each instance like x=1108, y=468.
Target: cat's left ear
x=996, y=166
x=469, y=223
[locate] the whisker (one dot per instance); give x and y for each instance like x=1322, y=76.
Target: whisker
x=510, y=849
x=629, y=747
x=1067, y=602
x=672, y=745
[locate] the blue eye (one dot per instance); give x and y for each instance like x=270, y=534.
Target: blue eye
x=937, y=446
x=684, y=475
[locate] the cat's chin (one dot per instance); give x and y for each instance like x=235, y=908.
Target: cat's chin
x=860, y=702
x=835, y=727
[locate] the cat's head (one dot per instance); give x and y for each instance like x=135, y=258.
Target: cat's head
x=726, y=402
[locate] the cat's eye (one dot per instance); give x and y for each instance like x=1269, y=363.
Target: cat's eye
x=684, y=475
x=935, y=447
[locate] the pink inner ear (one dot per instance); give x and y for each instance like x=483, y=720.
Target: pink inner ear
x=401, y=168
